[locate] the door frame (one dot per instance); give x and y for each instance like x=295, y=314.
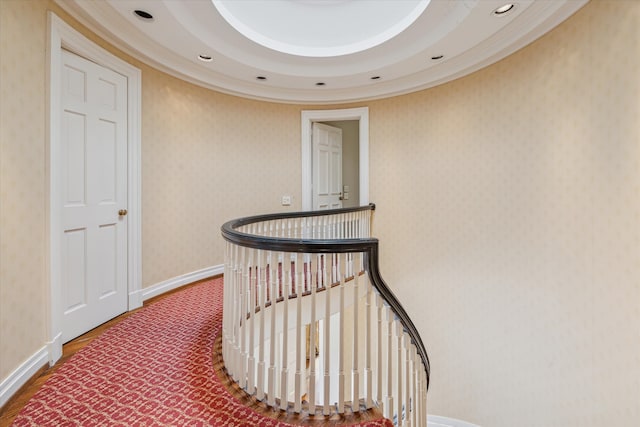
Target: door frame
x=62, y=35
x=361, y=114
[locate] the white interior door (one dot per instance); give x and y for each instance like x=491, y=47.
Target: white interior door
x=327, y=167
x=94, y=195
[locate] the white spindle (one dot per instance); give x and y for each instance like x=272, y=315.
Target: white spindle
x=414, y=384
x=424, y=397
x=284, y=375
x=251, y=280
x=262, y=291
x=379, y=373
x=341, y=341
x=355, y=372
x=399, y=372
x=227, y=314
x=368, y=379
x=327, y=343
x=407, y=380
x=297, y=406
x=244, y=305
x=273, y=287
x=312, y=335
x=389, y=367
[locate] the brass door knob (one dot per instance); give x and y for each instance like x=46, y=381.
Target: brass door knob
x=122, y=212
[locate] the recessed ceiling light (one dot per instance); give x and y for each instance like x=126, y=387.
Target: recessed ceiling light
x=436, y=57
x=205, y=58
x=375, y=77
x=261, y=78
x=143, y=14
x=504, y=9
x=320, y=84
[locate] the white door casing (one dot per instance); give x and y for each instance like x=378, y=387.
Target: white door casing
x=308, y=117
x=62, y=36
x=94, y=188
x=327, y=167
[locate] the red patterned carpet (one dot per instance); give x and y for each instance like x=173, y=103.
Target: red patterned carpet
x=152, y=369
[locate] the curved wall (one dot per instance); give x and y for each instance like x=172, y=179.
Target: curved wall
x=508, y=211
x=508, y=207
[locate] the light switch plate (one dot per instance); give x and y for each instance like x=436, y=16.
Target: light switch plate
x=286, y=200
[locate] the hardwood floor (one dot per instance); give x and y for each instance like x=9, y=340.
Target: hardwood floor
x=13, y=407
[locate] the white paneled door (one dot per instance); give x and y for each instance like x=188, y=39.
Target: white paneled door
x=327, y=167
x=94, y=195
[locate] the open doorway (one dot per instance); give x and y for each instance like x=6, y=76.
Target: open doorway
x=355, y=119
x=350, y=161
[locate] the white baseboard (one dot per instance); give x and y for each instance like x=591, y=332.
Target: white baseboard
x=22, y=374
x=54, y=349
x=437, y=421
x=135, y=299
x=176, y=282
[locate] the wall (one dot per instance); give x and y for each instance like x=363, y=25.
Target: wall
x=350, y=159
x=508, y=211
x=22, y=177
x=206, y=158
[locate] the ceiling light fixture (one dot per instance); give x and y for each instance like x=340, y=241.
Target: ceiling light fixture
x=504, y=9
x=143, y=15
x=205, y=58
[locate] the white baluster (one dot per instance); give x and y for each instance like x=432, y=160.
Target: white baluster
x=414, y=380
x=312, y=335
x=297, y=406
x=341, y=352
x=327, y=343
x=273, y=287
x=368, y=378
x=389, y=367
x=284, y=375
x=225, y=310
x=379, y=373
x=232, y=290
x=418, y=401
x=251, y=280
x=424, y=397
x=399, y=372
x=407, y=379
x=262, y=291
x=355, y=376
x=244, y=304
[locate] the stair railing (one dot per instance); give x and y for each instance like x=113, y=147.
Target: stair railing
x=309, y=325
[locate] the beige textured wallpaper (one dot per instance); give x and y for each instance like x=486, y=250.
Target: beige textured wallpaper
x=508, y=211
x=508, y=208
x=208, y=158
x=22, y=178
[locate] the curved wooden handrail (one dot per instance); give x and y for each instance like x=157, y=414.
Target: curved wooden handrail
x=368, y=246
